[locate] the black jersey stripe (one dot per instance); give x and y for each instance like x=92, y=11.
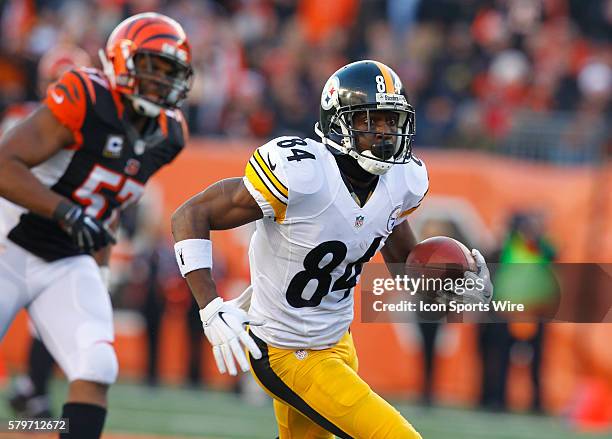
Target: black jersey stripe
x=160, y=36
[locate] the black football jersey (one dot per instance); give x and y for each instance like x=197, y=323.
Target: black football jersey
x=108, y=165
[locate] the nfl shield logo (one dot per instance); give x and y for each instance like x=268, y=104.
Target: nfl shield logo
x=359, y=221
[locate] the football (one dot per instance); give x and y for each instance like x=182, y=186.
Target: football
x=440, y=257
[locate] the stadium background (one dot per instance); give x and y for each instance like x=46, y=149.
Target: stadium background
x=513, y=120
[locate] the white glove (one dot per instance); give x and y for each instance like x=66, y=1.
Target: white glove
x=483, y=288
x=224, y=327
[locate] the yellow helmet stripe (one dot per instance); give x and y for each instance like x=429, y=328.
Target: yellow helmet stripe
x=387, y=75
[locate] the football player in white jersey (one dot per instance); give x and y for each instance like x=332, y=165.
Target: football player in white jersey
x=323, y=209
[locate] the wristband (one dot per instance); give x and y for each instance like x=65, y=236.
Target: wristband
x=193, y=254
x=66, y=212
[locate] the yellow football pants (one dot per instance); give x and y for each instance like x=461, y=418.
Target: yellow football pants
x=318, y=394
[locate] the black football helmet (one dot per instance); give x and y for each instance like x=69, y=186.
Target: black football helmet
x=366, y=86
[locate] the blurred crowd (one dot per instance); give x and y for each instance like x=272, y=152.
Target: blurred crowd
x=531, y=78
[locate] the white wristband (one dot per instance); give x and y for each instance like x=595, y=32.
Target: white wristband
x=193, y=254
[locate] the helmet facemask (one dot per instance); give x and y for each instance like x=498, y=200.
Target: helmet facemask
x=156, y=86
x=141, y=82
x=383, y=153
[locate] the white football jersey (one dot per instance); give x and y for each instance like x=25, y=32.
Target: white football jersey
x=307, y=252
x=9, y=216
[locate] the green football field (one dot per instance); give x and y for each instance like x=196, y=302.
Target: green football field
x=175, y=412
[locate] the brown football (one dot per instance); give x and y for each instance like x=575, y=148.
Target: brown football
x=440, y=257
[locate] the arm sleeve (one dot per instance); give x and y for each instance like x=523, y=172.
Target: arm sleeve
x=67, y=100
x=266, y=180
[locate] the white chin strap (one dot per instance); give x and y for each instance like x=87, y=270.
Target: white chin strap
x=144, y=107
x=370, y=165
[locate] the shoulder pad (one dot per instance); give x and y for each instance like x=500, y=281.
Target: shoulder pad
x=174, y=127
x=417, y=179
x=410, y=183
x=281, y=172
x=67, y=98
x=301, y=162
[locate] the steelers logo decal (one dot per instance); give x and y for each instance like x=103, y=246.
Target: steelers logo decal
x=329, y=97
x=393, y=218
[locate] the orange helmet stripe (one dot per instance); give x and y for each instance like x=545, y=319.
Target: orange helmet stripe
x=143, y=24
x=387, y=75
x=150, y=27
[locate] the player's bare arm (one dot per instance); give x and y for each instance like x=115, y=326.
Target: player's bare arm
x=224, y=205
x=397, y=247
x=29, y=144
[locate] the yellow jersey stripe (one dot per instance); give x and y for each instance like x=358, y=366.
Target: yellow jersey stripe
x=273, y=180
x=266, y=181
x=408, y=212
x=262, y=181
x=387, y=75
x=279, y=206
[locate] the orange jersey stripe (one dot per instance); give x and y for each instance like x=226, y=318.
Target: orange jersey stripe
x=89, y=85
x=67, y=100
x=163, y=123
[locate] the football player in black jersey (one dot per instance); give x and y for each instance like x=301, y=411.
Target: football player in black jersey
x=29, y=396
x=85, y=153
